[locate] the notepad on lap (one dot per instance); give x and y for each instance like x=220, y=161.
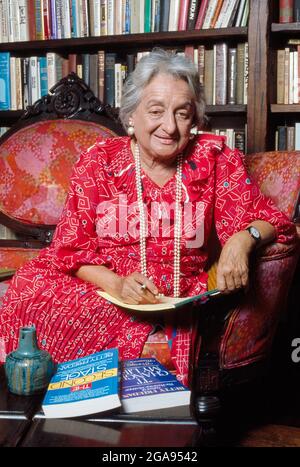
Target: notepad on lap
x=165, y=303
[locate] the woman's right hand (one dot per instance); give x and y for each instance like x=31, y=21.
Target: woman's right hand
x=129, y=289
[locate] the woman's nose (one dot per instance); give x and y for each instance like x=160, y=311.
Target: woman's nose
x=169, y=123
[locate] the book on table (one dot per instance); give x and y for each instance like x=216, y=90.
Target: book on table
x=99, y=383
x=164, y=303
x=84, y=386
x=148, y=385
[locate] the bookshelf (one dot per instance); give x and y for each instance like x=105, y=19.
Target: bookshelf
x=280, y=114
x=255, y=114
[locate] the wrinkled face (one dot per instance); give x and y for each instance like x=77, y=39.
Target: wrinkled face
x=164, y=117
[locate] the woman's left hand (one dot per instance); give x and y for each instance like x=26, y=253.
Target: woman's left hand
x=233, y=265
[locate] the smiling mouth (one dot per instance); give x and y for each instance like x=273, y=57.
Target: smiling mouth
x=165, y=140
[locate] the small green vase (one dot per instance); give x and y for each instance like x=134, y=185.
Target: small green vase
x=28, y=369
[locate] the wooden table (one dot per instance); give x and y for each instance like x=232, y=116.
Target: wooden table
x=166, y=428
x=16, y=413
x=23, y=424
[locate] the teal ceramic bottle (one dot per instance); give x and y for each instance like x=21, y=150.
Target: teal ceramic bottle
x=28, y=369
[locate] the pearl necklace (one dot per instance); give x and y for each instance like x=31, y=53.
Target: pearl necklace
x=177, y=223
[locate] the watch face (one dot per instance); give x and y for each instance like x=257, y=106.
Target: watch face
x=254, y=232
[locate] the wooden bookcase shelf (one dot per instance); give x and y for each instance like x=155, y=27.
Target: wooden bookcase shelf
x=226, y=109
x=286, y=28
x=146, y=40
x=285, y=108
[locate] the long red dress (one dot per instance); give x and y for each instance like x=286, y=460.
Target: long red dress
x=99, y=225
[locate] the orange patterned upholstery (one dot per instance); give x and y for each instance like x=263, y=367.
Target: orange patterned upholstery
x=35, y=167
x=277, y=174
x=14, y=258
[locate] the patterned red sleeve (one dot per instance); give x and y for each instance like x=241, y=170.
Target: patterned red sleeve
x=75, y=239
x=239, y=200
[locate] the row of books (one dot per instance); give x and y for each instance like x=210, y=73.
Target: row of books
x=288, y=75
x=235, y=138
x=222, y=70
x=24, y=20
x=24, y=80
x=289, y=11
x=287, y=138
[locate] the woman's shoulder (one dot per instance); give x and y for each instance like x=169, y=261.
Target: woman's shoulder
x=210, y=141
x=106, y=152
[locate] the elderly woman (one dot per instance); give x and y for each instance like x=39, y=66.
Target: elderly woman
x=136, y=223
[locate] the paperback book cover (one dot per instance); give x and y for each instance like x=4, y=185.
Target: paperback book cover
x=148, y=385
x=84, y=386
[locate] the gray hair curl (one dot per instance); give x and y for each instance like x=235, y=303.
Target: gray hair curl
x=160, y=61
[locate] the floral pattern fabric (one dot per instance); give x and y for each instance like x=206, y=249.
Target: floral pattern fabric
x=277, y=174
x=36, y=164
x=70, y=317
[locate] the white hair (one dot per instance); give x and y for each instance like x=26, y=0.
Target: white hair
x=160, y=61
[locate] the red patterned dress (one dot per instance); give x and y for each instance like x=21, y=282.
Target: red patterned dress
x=99, y=226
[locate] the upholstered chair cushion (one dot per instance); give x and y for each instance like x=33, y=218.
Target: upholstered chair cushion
x=36, y=164
x=277, y=174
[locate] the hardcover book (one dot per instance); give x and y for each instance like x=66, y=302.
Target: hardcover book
x=165, y=303
x=84, y=386
x=148, y=385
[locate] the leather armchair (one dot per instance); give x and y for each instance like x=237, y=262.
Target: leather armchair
x=236, y=333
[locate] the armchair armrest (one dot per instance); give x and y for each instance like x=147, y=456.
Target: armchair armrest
x=276, y=251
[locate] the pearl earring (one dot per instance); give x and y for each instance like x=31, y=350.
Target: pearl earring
x=130, y=129
x=193, y=132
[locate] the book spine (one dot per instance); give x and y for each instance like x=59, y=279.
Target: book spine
x=101, y=75
x=43, y=75
x=103, y=17
x=201, y=14
x=174, y=15
x=285, y=11
x=192, y=14
x=291, y=77
x=53, y=21
x=24, y=20
x=147, y=16
x=246, y=72
x=5, y=76
x=296, y=11
x=33, y=67
x=221, y=73
x=19, y=96
x=85, y=69
x=110, y=60
x=183, y=15
x=209, y=76
x=201, y=63
x=13, y=91
x=25, y=77
x=240, y=58
x=4, y=21
x=164, y=15
x=216, y=14
x=232, y=73
x=39, y=20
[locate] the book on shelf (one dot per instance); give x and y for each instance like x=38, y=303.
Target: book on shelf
x=164, y=304
x=147, y=385
x=84, y=386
